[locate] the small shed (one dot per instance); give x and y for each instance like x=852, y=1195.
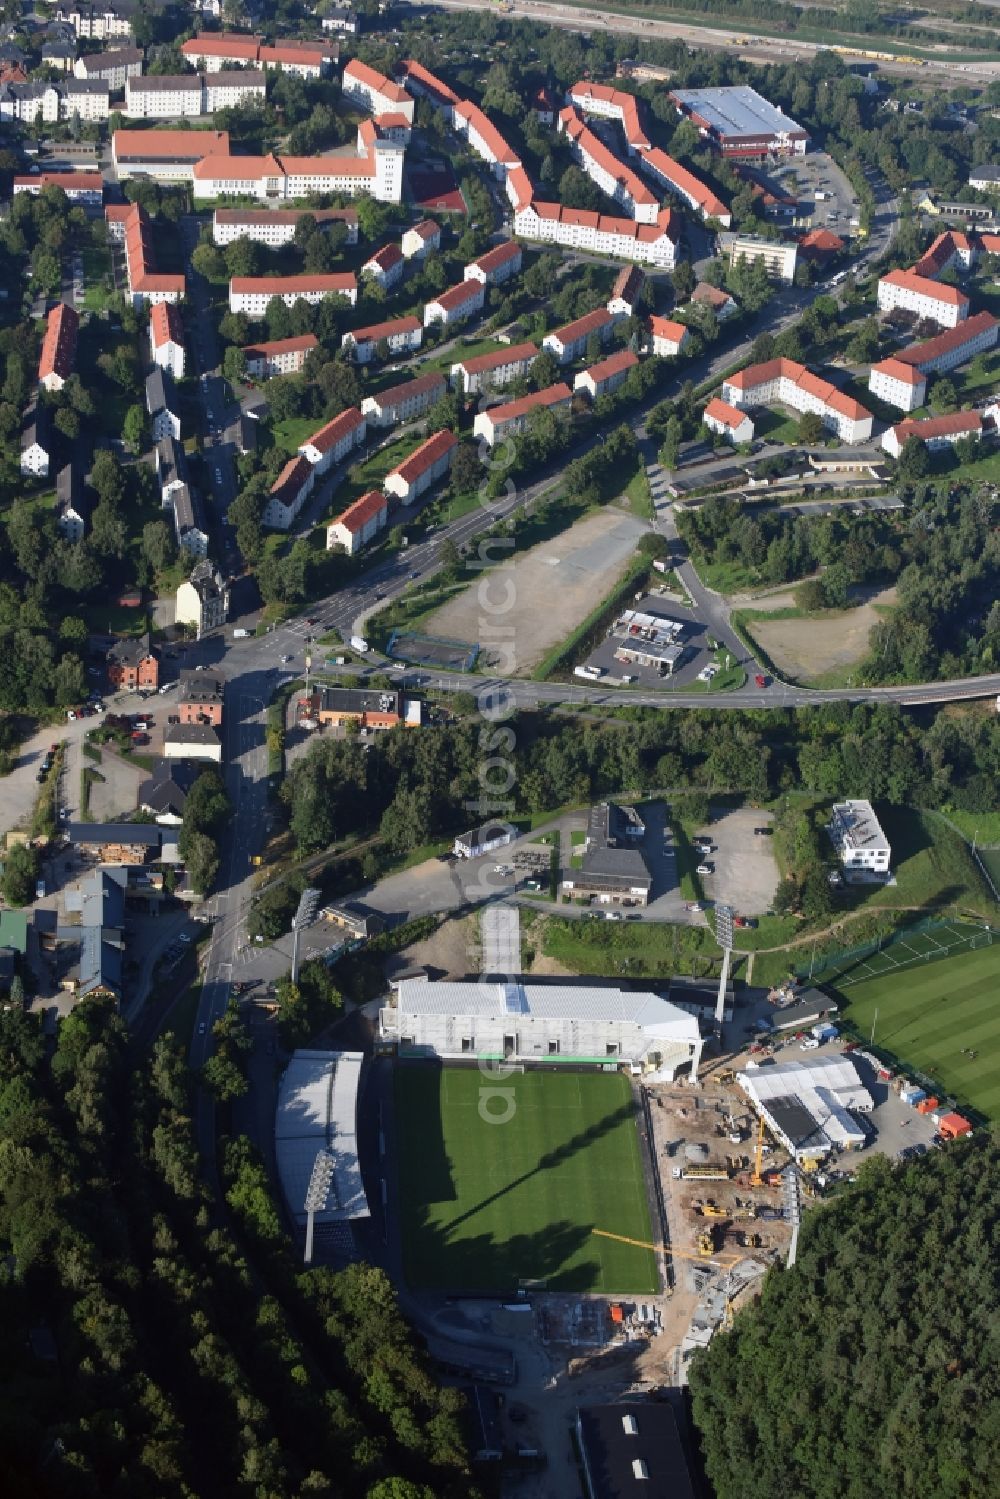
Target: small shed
x=954, y=1126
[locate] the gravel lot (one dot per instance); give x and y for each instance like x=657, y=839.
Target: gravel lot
x=746, y=874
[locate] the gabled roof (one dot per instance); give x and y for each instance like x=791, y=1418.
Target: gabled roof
x=955, y=424
x=481, y=364
x=552, y=395
x=922, y=286
x=721, y=411
x=421, y=385
x=615, y=364
x=334, y=432
x=425, y=457
x=278, y=286
x=362, y=73
x=271, y=348
x=582, y=327
x=457, y=296
x=165, y=324
x=59, y=343
x=664, y=327
x=498, y=256
x=390, y=329
x=357, y=516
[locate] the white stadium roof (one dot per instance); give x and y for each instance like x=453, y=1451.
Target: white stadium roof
x=316, y=1114
x=550, y=1002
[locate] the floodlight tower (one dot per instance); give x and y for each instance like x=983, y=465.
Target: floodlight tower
x=316, y=1194
x=724, y=936
x=304, y=916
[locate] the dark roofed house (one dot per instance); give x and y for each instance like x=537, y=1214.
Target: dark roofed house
x=613, y=872
x=634, y=1448
x=132, y=664
x=192, y=741
x=35, y=441
x=73, y=504
x=125, y=842
x=160, y=403
x=165, y=793
x=100, y=934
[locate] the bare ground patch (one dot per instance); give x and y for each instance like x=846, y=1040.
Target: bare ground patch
x=807, y=649
x=552, y=588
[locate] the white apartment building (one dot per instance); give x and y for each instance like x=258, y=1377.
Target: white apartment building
x=570, y=341
x=675, y=178
x=79, y=187
x=375, y=92
x=404, y=402
x=224, y=90
x=611, y=104
x=484, y=138
x=288, y=494
x=502, y=422
x=927, y=299
x=901, y=380
x=898, y=384
x=251, y=294
x=793, y=385
x=424, y=467
x=214, y=50
x=96, y=22
x=275, y=227
x=456, y=304
x=778, y=258
x=669, y=337
x=84, y=98
x=497, y=265
x=385, y=267
x=355, y=527
x=729, y=422
x=401, y=335
x=379, y=173
x=113, y=68
x=935, y=433
x=603, y=378
x=166, y=338
x=495, y=370
x=335, y=441
x=420, y=239
x=581, y=229
x=857, y=835
x=279, y=356
x=173, y=96
x=604, y=168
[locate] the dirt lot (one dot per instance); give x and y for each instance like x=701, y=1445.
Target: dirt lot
x=805, y=649
x=746, y=875
x=555, y=586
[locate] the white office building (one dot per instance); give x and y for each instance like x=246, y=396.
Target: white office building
x=857, y=835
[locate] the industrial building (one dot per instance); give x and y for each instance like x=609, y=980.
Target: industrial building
x=809, y=1106
x=632, y=1449
x=548, y=1024
x=316, y=1117
x=613, y=871
x=740, y=123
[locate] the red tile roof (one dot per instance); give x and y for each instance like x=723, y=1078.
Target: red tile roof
x=952, y=425
x=713, y=295
x=924, y=353
x=721, y=411
x=272, y=348
x=440, y=91
x=59, y=343
x=487, y=132
x=627, y=106
x=815, y=385
x=91, y=182
x=425, y=457
x=821, y=242
x=695, y=193
x=582, y=327
x=427, y=229
x=628, y=283
x=941, y=252
x=586, y=141
x=390, y=329
x=423, y=385
x=923, y=286
x=237, y=168
x=615, y=364
x=550, y=396
x=664, y=327
x=333, y=433
x=357, y=516
x=184, y=145
x=377, y=81
x=898, y=369
x=498, y=256
x=223, y=44
x=481, y=364
x=165, y=325
x=278, y=286
x=328, y=166
x=311, y=54
x=457, y=296
x=291, y=479
x=385, y=259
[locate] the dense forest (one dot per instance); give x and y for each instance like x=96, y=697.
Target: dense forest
x=872, y=1369
x=155, y=1343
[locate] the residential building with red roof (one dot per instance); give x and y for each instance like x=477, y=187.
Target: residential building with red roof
x=669, y=337
x=898, y=384
x=582, y=229
x=402, y=335
x=952, y=248
x=728, y=421
x=494, y=370
x=570, y=341
x=625, y=293
x=251, y=294
x=58, y=354
x=276, y=227
x=86, y=188
x=288, y=494
x=611, y=104
x=501, y=422
x=935, y=432
x=544, y=106
x=923, y=297
x=901, y=379
x=497, y=265
x=239, y=176
x=402, y=403
x=420, y=239
x=455, y=305
x=385, y=267
x=145, y=283
x=214, y=50
x=373, y=90
x=426, y=85
x=485, y=139
x=793, y=385
x=604, y=168
x=279, y=356
x=820, y=244
x=721, y=303
x=424, y=467
x=698, y=196
x=606, y=376
x=166, y=338
x=335, y=440
x=355, y=527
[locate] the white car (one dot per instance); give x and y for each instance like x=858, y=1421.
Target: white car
x=811, y=1045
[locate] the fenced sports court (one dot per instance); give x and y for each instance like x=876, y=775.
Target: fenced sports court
x=924, y=942
x=432, y=650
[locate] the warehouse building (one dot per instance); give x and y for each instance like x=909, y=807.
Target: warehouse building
x=632, y=1449
x=548, y=1024
x=809, y=1106
x=740, y=123
x=316, y=1119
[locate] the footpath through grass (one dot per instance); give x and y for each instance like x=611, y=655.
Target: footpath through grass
x=487, y=1204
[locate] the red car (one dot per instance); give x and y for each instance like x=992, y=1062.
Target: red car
x=760, y=680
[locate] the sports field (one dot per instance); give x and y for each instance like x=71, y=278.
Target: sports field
x=932, y=1014
x=488, y=1206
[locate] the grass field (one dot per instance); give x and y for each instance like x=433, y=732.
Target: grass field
x=930, y=1013
x=486, y=1205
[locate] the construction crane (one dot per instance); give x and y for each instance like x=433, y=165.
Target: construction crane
x=677, y=1254
x=756, y=1180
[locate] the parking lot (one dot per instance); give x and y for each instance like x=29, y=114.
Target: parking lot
x=744, y=870
x=817, y=172
x=693, y=637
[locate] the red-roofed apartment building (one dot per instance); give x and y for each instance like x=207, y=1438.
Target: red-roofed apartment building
x=215, y=50
x=570, y=341
x=669, y=337
x=279, y=356
x=335, y=440
x=404, y=402
x=401, y=335
x=793, y=385
x=420, y=239
x=606, y=376
x=901, y=380
x=374, y=90
x=495, y=370
x=166, y=338
x=145, y=283
x=501, y=422
x=497, y=265
x=385, y=267
x=920, y=295
x=936, y=432
x=456, y=304
x=55, y=364
x=603, y=167
x=720, y=417
x=428, y=463
x=356, y=525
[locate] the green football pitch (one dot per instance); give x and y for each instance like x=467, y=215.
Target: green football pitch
x=931, y=1014
x=491, y=1206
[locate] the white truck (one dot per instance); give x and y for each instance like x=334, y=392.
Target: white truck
x=240, y=634
x=359, y=644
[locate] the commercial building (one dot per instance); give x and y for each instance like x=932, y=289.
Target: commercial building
x=335, y=440
x=857, y=835
x=728, y=421
x=166, y=155
x=316, y=1146
x=614, y=871
x=58, y=354
x=374, y=91
x=570, y=341
x=485, y=372
x=901, y=380
x=201, y=698
x=178, y=95
x=355, y=527
x=542, y=1023
x=740, y=123
x=455, y=305
x=375, y=710
x=606, y=376
x=276, y=227
x=925, y=298
x=581, y=229
x=652, y=640
x=936, y=432
x=424, y=467
x=166, y=338
x=400, y=335
x=810, y=1106
x=403, y=402
x=279, y=356
x=420, y=239
x=251, y=294
x=358, y=921
x=146, y=285
x=497, y=265
x=202, y=600
x=127, y=843
x=669, y=337
x=603, y=167
x=510, y=420
x=792, y=384
x=778, y=257
x=385, y=267
x=112, y=68
x=85, y=188
x=633, y=1450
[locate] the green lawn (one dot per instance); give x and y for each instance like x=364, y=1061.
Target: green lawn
x=96, y=267
x=487, y=1205
x=930, y=1013
x=294, y=430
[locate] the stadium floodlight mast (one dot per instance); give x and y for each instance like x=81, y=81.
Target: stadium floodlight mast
x=316, y=1195
x=304, y=916
x=724, y=916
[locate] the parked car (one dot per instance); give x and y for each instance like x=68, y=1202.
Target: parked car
x=706, y=869
x=810, y=1045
